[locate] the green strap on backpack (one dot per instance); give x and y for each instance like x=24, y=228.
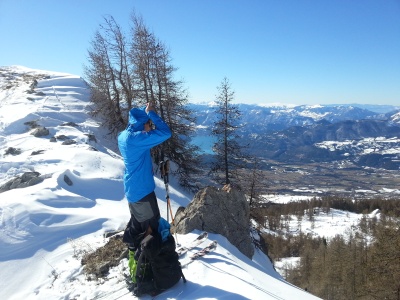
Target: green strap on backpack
x=139, y=269
x=132, y=264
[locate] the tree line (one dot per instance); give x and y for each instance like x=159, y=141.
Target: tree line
x=362, y=264
x=275, y=216
x=355, y=266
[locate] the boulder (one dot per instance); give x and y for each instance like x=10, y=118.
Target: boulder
x=68, y=142
x=222, y=211
x=25, y=180
x=40, y=131
x=12, y=151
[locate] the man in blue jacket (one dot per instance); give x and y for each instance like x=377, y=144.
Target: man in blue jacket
x=144, y=131
x=134, y=144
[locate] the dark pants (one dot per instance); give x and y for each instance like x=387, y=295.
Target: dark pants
x=144, y=213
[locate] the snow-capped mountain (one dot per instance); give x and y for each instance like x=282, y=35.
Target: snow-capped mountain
x=394, y=117
x=298, y=134
x=262, y=118
x=45, y=227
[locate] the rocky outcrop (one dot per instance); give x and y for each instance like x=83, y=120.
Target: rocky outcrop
x=222, y=211
x=40, y=131
x=26, y=179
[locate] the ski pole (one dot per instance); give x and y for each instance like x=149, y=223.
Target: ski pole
x=164, y=175
x=164, y=166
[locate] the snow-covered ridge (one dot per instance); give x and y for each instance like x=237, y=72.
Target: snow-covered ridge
x=44, y=228
x=379, y=145
x=275, y=116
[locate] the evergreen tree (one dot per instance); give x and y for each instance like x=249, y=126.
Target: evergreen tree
x=228, y=153
x=383, y=277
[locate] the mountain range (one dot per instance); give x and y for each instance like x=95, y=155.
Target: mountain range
x=367, y=135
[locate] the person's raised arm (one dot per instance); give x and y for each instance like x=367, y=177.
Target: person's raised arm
x=161, y=132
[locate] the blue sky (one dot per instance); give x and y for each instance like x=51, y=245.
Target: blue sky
x=294, y=51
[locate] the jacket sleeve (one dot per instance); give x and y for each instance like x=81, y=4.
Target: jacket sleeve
x=162, y=128
x=154, y=137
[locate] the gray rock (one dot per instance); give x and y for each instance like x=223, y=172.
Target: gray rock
x=12, y=151
x=37, y=152
x=91, y=137
x=103, y=268
x=40, y=131
x=25, y=180
x=71, y=124
x=67, y=180
x=68, y=142
x=32, y=124
x=221, y=211
x=62, y=137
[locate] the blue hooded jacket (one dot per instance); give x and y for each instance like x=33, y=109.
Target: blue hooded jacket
x=134, y=144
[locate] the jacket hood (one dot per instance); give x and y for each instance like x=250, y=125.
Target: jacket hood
x=137, y=118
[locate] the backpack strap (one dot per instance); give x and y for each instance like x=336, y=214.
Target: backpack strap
x=143, y=245
x=138, y=290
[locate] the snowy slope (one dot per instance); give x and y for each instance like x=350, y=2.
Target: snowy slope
x=45, y=228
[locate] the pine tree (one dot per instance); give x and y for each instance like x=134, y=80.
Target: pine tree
x=383, y=278
x=228, y=152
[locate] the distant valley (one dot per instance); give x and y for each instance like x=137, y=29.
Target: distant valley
x=352, y=150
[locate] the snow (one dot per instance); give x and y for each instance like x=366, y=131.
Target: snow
x=327, y=225
x=312, y=114
x=46, y=227
x=387, y=190
x=282, y=199
x=380, y=145
x=277, y=104
x=286, y=263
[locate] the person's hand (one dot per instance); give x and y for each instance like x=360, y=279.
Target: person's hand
x=149, y=107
